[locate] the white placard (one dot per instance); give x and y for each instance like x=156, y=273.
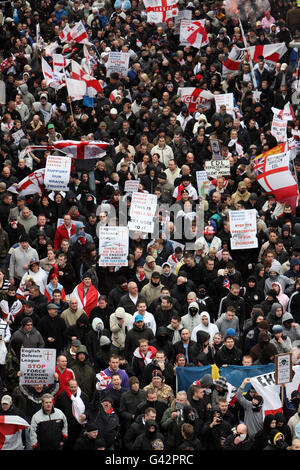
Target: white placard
x=214, y=168
x=18, y=135
x=117, y=62
x=37, y=366
x=215, y=147
x=202, y=183
x=227, y=99
x=243, y=229
x=131, y=186
x=142, y=212
x=278, y=129
x=283, y=368
x=113, y=246
x=57, y=172
x=182, y=15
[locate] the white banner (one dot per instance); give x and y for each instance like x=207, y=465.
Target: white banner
x=117, y=62
x=193, y=33
x=182, y=15
x=243, y=229
x=142, y=212
x=278, y=129
x=57, y=172
x=214, y=168
x=113, y=246
x=37, y=366
x=18, y=135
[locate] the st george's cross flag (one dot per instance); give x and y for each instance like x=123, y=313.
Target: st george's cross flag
x=11, y=427
x=59, y=62
x=31, y=184
x=195, y=97
x=53, y=78
x=286, y=114
x=193, y=33
x=82, y=150
x=76, y=34
x=271, y=53
x=160, y=11
x=273, y=174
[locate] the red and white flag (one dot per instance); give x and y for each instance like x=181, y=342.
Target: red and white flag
x=286, y=114
x=82, y=150
x=195, y=97
x=233, y=61
x=53, y=79
x=193, y=33
x=93, y=85
x=32, y=184
x=273, y=174
x=77, y=34
x=160, y=11
x=76, y=88
x=113, y=95
x=271, y=52
x=11, y=427
x=266, y=387
x=59, y=62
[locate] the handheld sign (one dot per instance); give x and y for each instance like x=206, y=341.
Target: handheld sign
x=283, y=368
x=37, y=366
x=57, y=172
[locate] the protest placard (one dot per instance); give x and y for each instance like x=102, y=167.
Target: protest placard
x=117, y=62
x=215, y=147
x=57, y=172
x=214, y=168
x=202, y=183
x=131, y=186
x=243, y=229
x=113, y=246
x=142, y=211
x=37, y=366
x=182, y=15
x=278, y=129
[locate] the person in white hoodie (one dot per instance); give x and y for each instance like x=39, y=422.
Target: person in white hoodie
x=118, y=325
x=206, y=326
x=38, y=274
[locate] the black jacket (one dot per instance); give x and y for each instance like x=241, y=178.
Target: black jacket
x=193, y=350
x=55, y=328
x=129, y=403
x=128, y=305
x=226, y=356
x=132, y=338
x=64, y=403
x=247, y=444
x=168, y=373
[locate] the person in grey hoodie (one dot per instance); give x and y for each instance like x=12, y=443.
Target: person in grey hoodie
x=20, y=258
x=290, y=328
x=28, y=97
x=254, y=416
x=228, y=320
x=27, y=219
x=282, y=342
x=192, y=318
x=275, y=276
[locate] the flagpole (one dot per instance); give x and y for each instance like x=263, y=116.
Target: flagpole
x=251, y=63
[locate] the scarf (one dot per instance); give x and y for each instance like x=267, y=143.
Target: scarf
x=140, y=276
x=150, y=354
x=87, y=301
x=78, y=407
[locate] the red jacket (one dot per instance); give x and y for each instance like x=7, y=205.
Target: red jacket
x=62, y=232
x=64, y=378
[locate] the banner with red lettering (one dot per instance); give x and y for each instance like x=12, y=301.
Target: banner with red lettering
x=195, y=98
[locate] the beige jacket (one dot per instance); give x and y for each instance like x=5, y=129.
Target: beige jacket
x=118, y=334
x=71, y=317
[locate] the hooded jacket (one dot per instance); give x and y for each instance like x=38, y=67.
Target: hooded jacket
x=118, y=333
x=282, y=298
x=191, y=321
x=263, y=340
x=79, y=233
x=145, y=440
x=224, y=324
x=212, y=329
x=292, y=333
x=132, y=338
x=162, y=342
x=284, y=281
x=93, y=338
x=168, y=373
x=84, y=373
x=272, y=318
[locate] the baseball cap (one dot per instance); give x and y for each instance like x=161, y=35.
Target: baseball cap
x=155, y=274
x=76, y=343
x=113, y=111
x=149, y=259
x=277, y=329
x=6, y=399
x=52, y=305
x=50, y=126
x=138, y=318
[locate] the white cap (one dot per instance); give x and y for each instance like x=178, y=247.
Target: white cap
x=113, y=111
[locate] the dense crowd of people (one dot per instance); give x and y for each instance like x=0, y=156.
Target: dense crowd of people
x=185, y=298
